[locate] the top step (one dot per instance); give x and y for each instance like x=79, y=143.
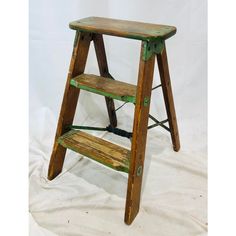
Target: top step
x=124, y=28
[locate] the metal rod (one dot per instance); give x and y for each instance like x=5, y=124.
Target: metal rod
x=121, y=106
x=109, y=128
x=159, y=124
x=87, y=127
x=156, y=87
x=157, y=121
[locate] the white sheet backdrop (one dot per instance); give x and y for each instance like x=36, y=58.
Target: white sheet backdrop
x=88, y=199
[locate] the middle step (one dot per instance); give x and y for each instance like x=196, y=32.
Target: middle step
x=105, y=86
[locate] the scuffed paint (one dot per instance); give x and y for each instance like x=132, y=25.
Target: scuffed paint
x=131, y=99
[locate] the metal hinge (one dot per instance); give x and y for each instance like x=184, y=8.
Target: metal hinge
x=152, y=47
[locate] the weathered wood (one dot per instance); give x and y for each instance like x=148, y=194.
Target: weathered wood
x=124, y=28
x=119, y=158
x=77, y=66
x=103, y=68
x=100, y=150
x=168, y=97
x=144, y=87
x=105, y=86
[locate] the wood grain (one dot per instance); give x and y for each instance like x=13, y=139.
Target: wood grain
x=70, y=98
x=100, y=150
x=138, y=147
x=168, y=97
x=124, y=28
x=105, y=86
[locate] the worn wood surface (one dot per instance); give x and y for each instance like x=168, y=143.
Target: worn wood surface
x=107, y=153
x=168, y=97
x=104, y=71
x=106, y=87
x=124, y=28
x=77, y=66
x=144, y=87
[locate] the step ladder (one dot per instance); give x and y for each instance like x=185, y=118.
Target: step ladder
x=70, y=136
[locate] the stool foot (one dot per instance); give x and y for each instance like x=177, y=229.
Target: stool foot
x=56, y=162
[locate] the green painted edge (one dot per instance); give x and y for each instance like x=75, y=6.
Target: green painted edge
x=131, y=99
x=138, y=37
x=60, y=140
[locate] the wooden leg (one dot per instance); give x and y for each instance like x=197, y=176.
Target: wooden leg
x=168, y=97
x=71, y=94
x=142, y=105
x=103, y=68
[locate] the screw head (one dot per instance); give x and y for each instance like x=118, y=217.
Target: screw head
x=139, y=170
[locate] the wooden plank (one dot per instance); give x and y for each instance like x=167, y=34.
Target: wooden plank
x=168, y=97
x=124, y=28
x=103, y=68
x=144, y=87
x=105, y=86
x=107, y=153
x=68, y=107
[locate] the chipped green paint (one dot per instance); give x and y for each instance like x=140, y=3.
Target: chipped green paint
x=131, y=99
x=161, y=35
x=163, y=31
x=61, y=141
x=152, y=47
x=130, y=36
x=118, y=168
x=124, y=29
x=146, y=101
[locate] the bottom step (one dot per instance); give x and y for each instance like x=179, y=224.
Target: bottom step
x=107, y=153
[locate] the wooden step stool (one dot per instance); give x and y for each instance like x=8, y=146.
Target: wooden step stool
x=68, y=136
